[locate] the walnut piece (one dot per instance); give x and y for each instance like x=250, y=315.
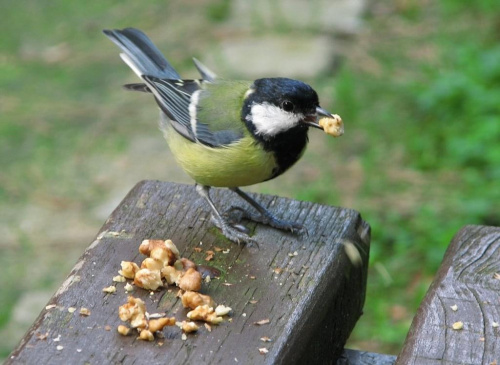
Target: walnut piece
x=332, y=125
x=152, y=264
x=190, y=280
x=123, y=330
x=158, y=324
x=148, y=279
x=171, y=275
x=188, y=326
x=164, y=251
x=187, y=264
x=128, y=269
x=134, y=311
x=191, y=299
x=204, y=313
x=146, y=335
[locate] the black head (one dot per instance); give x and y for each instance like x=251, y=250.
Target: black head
x=276, y=105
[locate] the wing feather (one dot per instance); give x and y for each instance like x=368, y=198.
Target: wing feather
x=201, y=118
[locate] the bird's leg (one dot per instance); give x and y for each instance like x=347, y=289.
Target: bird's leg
x=237, y=233
x=264, y=216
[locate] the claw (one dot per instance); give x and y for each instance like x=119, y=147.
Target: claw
x=231, y=226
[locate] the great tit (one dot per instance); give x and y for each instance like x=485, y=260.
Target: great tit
x=225, y=133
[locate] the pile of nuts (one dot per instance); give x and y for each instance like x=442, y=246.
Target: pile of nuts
x=163, y=267
x=162, y=263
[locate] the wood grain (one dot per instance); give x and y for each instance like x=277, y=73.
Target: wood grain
x=356, y=357
x=312, y=304
x=465, y=279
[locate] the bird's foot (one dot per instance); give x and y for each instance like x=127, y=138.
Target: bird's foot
x=236, y=214
x=235, y=232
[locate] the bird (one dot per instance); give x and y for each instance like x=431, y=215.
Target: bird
x=227, y=133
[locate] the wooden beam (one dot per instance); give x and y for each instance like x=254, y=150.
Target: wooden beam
x=465, y=290
x=306, y=285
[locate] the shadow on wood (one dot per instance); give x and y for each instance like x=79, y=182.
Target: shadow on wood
x=313, y=301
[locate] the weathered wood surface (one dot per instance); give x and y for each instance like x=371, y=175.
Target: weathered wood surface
x=356, y=357
x=312, y=304
x=466, y=279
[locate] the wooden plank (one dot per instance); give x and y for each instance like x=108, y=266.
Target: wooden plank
x=466, y=279
x=356, y=357
x=312, y=304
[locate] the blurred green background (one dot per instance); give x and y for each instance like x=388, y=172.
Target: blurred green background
x=416, y=82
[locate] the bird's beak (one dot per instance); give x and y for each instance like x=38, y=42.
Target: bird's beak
x=312, y=120
x=329, y=123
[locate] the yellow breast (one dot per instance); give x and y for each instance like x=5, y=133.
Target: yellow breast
x=242, y=163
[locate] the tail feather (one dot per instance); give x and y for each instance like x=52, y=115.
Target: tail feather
x=140, y=54
x=137, y=87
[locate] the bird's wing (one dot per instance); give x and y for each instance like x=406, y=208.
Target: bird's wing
x=209, y=113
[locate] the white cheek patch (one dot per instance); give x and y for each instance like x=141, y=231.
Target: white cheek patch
x=270, y=120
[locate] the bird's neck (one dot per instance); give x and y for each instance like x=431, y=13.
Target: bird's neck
x=287, y=148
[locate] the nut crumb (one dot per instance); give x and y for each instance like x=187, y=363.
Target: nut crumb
x=495, y=325
x=222, y=310
x=51, y=306
x=71, y=309
x=265, y=339
x=210, y=255
x=128, y=287
x=59, y=347
x=454, y=308
x=188, y=326
x=262, y=321
x=85, y=312
x=119, y=279
x=208, y=327
x=146, y=335
x=184, y=337
x=109, y=289
x=42, y=336
x=263, y=350
x=458, y=325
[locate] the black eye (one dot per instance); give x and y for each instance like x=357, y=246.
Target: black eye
x=287, y=106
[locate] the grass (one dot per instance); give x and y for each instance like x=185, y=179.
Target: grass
x=417, y=89
x=420, y=94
